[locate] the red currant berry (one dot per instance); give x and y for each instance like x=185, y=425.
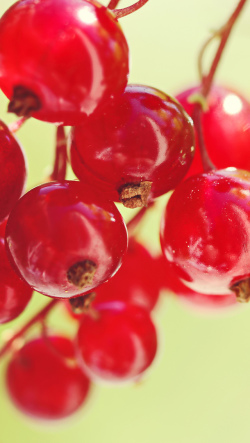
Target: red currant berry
x=206, y=302
x=136, y=282
x=205, y=232
x=64, y=239
x=225, y=127
x=44, y=380
x=142, y=138
x=3, y=227
x=72, y=56
x=13, y=171
x=119, y=344
x=172, y=283
x=15, y=294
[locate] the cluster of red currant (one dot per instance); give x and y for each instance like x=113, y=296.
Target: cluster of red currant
x=66, y=62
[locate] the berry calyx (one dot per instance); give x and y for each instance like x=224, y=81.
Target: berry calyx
x=73, y=57
x=242, y=290
x=64, y=239
x=137, y=282
x=81, y=273
x=23, y=102
x=44, y=380
x=80, y=305
x=135, y=195
x=139, y=147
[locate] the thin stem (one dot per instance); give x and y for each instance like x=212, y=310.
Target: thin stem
x=224, y=32
x=206, y=80
x=112, y=4
x=126, y=11
x=60, y=162
x=49, y=343
x=206, y=162
x=37, y=318
x=202, y=52
x=15, y=126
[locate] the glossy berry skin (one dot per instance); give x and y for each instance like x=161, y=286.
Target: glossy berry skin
x=136, y=282
x=144, y=135
x=15, y=294
x=72, y=55
x=3, y=227
x=170, y=282
x=225, y=128
x=119, y=344
x=43, y=383
x=12, y=171
x=205, y=230
x=58, y=225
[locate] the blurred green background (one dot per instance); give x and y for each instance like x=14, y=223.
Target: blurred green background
x=199, y=388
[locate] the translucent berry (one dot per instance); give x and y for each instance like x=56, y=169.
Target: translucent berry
x=15, y=294
x=139, y=147
x=225, y=127
x=118, y=344
x=44, y=380
x=136, y=282
x=170, y=281
x=12, y=171
x=64, y=239
x=61, y=59
x=205, y=232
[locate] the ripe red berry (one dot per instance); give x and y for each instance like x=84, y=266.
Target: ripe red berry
x=64, y=239
x=143, y=137
x=70, y=58
x=119, y=344
x=15, y=294
x=225, y=127
x=44, y=380
x=136, y=282
x=170, y=281
x=3, y=227
x=205, y=232
x=12, y=171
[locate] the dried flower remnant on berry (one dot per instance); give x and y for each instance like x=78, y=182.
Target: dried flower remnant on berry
x=81, y=304
x=35, y=76
x=135, y=195
x=23, y=102
x=81, y=273
x=242, y=290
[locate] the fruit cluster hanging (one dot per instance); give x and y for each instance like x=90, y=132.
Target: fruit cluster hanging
x=66, y=62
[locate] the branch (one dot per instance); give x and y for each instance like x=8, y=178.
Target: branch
x=37, y=318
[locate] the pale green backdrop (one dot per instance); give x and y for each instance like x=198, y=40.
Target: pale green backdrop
x=199, y=388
